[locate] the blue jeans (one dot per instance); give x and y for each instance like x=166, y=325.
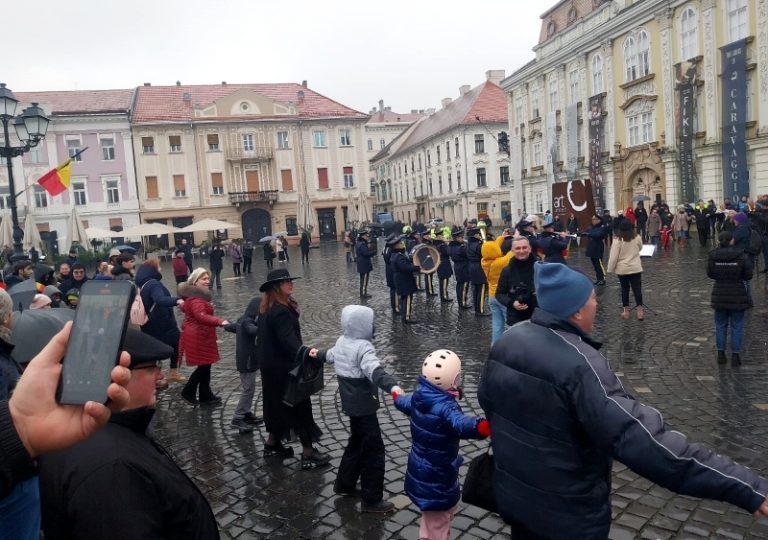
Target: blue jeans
x=499, y=318
x=722, y=318
x=20, y=512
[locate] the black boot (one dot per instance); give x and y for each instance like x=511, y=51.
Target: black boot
x=721, y=359
x=735, y=359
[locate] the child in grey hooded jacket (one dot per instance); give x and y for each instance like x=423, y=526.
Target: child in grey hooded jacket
x=360, y=372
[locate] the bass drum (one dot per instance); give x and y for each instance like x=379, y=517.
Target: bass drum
x=426, y=257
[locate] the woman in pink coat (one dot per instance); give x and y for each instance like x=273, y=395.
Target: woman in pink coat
x=198, y=337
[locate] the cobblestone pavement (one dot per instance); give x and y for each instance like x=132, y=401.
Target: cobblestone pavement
x=666, y=360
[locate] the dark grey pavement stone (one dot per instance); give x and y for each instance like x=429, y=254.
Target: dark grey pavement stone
x=667, y=361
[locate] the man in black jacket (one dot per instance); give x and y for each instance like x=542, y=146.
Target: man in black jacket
x=559, y=416
x=247, y=364
x=120, y=484
x=476, y=274
x=515, y=288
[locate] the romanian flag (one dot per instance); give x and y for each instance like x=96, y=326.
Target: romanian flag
x=57, y=180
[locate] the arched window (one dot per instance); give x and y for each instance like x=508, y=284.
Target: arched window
x=637, y=55
x=689, y=42
x=572, y=15
x=597, y=74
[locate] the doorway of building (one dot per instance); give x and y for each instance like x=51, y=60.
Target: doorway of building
x=326, y=219
x=256, y=223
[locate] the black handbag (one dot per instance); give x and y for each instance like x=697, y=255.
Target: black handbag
x=303, y=380
x=478, y=484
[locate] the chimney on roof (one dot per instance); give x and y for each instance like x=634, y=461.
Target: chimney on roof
x=495, y=75
x=147, y=84
x=178, y=83
x=304, y=83
x=223, y=83
x=463, y=89
x=373, y=111
x=388, y=109
x=300, y=95
x=381, y=105
x=445, y=102
x=186, y=96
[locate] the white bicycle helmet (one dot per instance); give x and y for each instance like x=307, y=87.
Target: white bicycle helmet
x=443, y=369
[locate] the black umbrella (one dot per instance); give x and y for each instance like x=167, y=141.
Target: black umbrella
x=22, y=294
x=34, y=328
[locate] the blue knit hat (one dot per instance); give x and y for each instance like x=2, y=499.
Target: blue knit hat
x=560, y=290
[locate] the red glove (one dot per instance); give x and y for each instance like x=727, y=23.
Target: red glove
x=396, y=392
x=484, y=428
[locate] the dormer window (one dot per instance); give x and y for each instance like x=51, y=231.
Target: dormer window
x=572, y=15
x=551, y=29
x=245, y=107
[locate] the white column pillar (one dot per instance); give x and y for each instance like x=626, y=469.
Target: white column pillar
x=762, y=65
x=667, y=83
x=711, y=69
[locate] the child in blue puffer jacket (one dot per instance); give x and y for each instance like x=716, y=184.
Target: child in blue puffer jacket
x=437, y=425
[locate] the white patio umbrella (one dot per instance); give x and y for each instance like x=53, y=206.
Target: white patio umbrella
x=31, y=234
x=76, y=232
x=94, y=233
x=6, y=231
x=363, y=210
x=208, y=225
x=147, y=229
x=352, y=214
x=306, y=217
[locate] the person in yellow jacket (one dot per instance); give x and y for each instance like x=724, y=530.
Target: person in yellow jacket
x=493, y=262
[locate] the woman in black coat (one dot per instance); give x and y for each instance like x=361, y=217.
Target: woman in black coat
x=279, y=342
x=728, y=266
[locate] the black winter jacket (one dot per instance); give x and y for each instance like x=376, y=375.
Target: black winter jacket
x=729, y=268
x=120, y=484
x=458, y=252
x=515, y=273
x=159, y=305
x=246, y=330
x=596, y=241
x=559, y=416
x=475, y=257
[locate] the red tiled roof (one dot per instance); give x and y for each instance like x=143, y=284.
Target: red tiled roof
x=487, y=102
x=166, y=104
x=389, y=117
x=79, y=101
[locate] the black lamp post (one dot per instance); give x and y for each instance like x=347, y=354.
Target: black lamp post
x=30, y=126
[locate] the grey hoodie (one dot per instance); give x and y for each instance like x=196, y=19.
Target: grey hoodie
x=358, y=368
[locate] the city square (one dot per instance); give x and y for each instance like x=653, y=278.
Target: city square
x=667, y=361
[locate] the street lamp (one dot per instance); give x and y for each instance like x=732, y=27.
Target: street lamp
x=30, y=126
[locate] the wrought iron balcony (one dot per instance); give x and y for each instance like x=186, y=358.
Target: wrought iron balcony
x=236, y=197
x=259, y=153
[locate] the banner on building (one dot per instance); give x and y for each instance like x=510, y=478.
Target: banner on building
x=685, y=74
x=573, y=197
x=596, y=135
x=572, y=148
x=734, y=76
x=550, y=134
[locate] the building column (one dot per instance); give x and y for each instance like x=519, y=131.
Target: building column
x=711, y=69
x=664, y=20
x=709, y=167
x=608, y=84
x=762, y=68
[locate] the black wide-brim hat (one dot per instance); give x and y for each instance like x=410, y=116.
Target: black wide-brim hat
x=392, y=240
x=276, y=276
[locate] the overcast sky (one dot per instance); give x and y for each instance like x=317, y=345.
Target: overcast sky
x=410, y=53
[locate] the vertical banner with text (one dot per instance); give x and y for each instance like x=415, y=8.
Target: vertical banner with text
x=734, y=75
x=685, y=73
x=596, y=134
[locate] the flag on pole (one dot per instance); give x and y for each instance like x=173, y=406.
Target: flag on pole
x=57, y=180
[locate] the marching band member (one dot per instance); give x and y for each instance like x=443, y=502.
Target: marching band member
x=405, y=282
x=429, y=239
x=411, y=241
x=389, y=243
x=476, y=274
x=444, y=269
x=553, y=244
x=458, y=252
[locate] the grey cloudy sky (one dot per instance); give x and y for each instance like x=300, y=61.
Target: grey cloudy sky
x=410, y=53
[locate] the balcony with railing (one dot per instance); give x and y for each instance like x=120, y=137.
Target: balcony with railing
x=259, y=153
x=236, y=197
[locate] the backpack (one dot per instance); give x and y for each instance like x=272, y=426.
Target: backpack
x=139, y=315
x=755, y=243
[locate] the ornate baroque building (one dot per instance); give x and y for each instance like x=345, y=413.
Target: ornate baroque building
x=660, y=98
x=248, y=154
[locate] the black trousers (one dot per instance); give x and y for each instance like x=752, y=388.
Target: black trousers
x=199, y=383
x=304, y=256
x=478, y=296
x=270, y=263
x=236, y=268
x=247, y=265
x=462, y=293
x=364, y=459
x=393, y=301
x=636, y=282
x=597, y=264
x=406, y=307
x=430, y=285
x=364, y=283
x=703, y=236
x=444, y=288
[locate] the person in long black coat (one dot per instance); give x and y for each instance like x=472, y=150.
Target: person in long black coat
x=217, y=265
x=444, y=269
x=364, y=264
x=278, y=345
x=403, y=272
x=304, y=242
x=457, y=249
x=476, y=274
x=596, y=247
x=391, y=241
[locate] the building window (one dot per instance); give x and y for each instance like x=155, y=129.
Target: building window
x=737, y=19
x=539, y=201
x=438, y=155
x=419, y=161
x=370, y=144
x=458, y=180
x=597, y=74
x=574, y=83
x=553, y=103
x=637, y=59
x=41, y=198
x=179, y=186
x=447, y=150
x=78, y=193
x=291, y=226
x=479, y=143
x=429, y=186
x=537, y=162
x=536, y=103
x=689, y=45
x=319, y=139
x=73, y=147
x=572, y=14
x=113, y=192
x=640, y=129
x=286, y=177
x=152, y=191
x=456, y=146
x=282, y=140
x=107, y=149
x=213, y=142
x=345, y=139
x=217, y=183
x=148, y=145
x=482, y=208
x=322, y=178
x=175, y=142
x=349, y=178
x=551, y=29
x=439, y=184
x=450, y=184
x=36, y=155
x=5, y=197
x=429, y=159
x=504, y=175
x=481, y=177
x=519, y=119
x=247, y=142
x=382, y=144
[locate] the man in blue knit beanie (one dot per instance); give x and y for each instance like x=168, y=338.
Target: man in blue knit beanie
x=559, y=416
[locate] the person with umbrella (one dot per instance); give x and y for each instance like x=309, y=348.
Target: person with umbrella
x=364, y=265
